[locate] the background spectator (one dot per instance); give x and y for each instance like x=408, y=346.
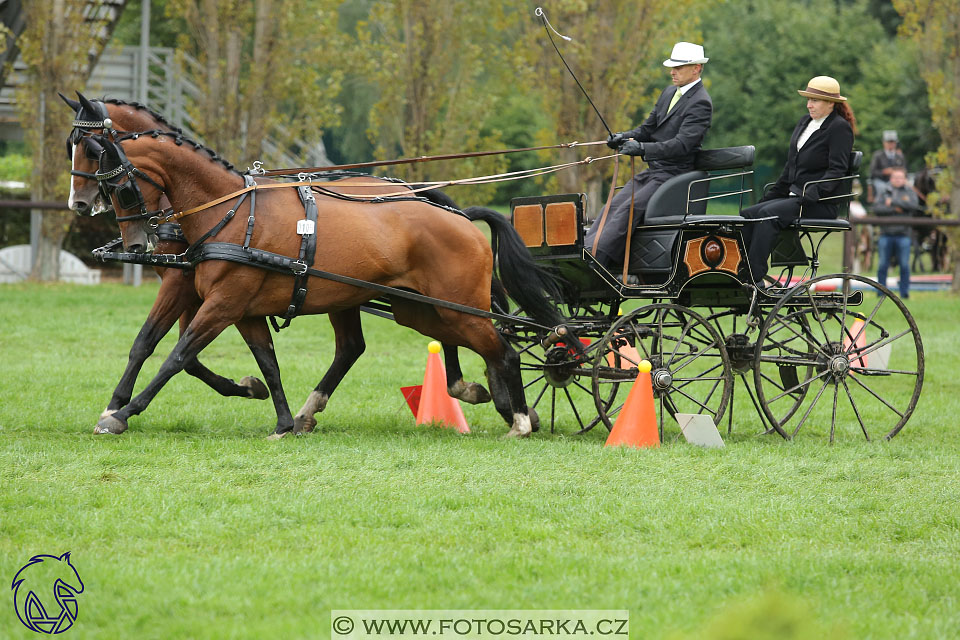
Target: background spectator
x=895, y=198
x=883, y=162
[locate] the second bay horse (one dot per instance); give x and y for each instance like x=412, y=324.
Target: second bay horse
x=407, y=244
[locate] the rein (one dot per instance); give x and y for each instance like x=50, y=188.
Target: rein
x=323, y=186
x=388, y=163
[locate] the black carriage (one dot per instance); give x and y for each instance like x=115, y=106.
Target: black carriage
x=836, y=353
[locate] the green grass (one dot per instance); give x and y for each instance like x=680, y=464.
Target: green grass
x=193, y=525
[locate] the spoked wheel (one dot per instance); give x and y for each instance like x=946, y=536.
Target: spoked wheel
x=555, y=385
x=740, y=338
x=690, y=372
x=839, y=364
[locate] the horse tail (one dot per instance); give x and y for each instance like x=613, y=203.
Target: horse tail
x=435, y=196
x=530, y=285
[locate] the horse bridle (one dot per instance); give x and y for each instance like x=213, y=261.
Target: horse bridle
x=129, y=195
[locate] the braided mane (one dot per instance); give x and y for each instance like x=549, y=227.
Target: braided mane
x=141, y=107
x=179, y=139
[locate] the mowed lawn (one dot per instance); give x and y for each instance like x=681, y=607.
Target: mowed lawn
x=193, y=525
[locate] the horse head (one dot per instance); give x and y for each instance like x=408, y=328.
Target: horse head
x=89, y=118
x=134, y=195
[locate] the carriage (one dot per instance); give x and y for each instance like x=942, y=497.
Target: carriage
x=832, y=353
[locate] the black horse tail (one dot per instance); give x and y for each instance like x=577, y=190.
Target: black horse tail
x=531, y=286
x=435, y=196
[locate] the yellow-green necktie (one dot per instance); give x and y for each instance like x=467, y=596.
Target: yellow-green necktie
x=674, y=100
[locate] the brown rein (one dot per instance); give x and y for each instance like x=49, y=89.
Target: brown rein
x=449, y=156
x=427, y=186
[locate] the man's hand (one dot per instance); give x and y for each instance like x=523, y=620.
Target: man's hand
x=632, y=148
x=615, y=140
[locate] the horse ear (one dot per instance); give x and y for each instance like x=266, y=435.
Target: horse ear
x=73, y=104
x=86, y=104
x=65, y=556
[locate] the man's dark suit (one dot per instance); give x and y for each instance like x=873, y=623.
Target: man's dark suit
x=670, y=144
x=826, y=154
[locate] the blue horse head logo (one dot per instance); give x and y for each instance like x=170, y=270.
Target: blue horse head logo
x=45, y=593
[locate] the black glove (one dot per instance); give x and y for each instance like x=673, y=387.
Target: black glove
x=810, y=195
x=632, y=148
x=615, y=140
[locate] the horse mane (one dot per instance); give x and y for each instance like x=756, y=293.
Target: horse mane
x=142, y=107
x=179, y=139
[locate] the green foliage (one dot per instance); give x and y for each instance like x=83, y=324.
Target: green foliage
x=15, y=167
x=192, y=525
x=165, y=28
x=892, y=95
x=763, y=51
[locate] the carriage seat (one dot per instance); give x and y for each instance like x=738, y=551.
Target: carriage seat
x=841, y=202
x=682, y=201
x=788, y=250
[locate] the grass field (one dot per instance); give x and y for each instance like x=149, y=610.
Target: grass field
x=193, y=525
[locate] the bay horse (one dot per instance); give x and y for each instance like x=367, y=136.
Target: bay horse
x=177, y=297
x=408, y=244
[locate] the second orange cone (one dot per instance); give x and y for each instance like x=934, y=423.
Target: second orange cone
x=436, y=405
x=636, y=426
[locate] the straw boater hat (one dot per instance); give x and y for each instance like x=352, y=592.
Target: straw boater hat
x=823, y=88
x=685, y=53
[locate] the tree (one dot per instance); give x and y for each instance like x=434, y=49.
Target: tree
x=439, y=67
x=617, y=51
x=934, y=25
x=763, y=51
x=54, y=46
x=269, y=67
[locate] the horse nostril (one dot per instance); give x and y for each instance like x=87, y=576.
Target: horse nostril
x=81, y=207
x=136, y=248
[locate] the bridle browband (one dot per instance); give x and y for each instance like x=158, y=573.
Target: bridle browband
x=128, y=193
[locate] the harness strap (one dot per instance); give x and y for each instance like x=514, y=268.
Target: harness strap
x=193, y=248
x=308, y=248
x=284, y=264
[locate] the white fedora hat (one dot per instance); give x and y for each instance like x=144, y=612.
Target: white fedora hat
x=685, y=53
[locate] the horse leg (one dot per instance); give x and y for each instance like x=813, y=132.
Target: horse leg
x=348, y=333
x=206, y=325
x=256, y=333
x=248, y=387
x=176, y=298
x=506, y=384
x=457, y=387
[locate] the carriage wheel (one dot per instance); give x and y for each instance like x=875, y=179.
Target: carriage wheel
x=739, y=337
x=857, y=360
x=555, y=385
x=691, y=371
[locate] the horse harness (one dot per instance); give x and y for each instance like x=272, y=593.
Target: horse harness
x=300, y=267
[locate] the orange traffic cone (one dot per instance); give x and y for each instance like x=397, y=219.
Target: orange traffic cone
x=636, y=426
x=857, y=339
x=436, y=405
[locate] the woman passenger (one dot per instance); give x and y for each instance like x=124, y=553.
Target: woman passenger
x=820, y=148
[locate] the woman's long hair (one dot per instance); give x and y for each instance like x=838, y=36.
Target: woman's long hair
x=846, y=112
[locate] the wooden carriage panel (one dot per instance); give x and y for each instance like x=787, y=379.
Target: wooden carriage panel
x=561, y=223
x=528, y=221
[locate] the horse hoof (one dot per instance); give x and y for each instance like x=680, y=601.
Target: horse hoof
x=521, y=427
x=469, y=392
x=109, y=424
x=277, y=436
x=304, y=424
x=534, y=419
x=255, y=388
